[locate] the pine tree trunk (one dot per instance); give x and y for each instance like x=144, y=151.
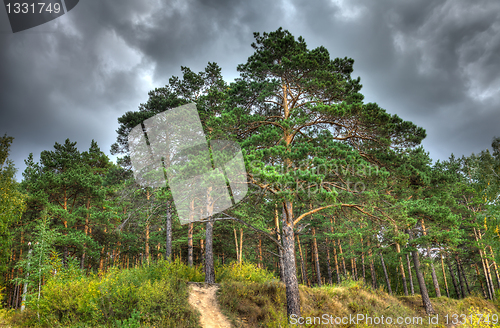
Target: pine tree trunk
x=278, y=238
x=460, y=279
x=302, y=265
x=237, y=246
x=423, y=289
x=209, y=253
x=481, y=282
x=168, y=231
x=495, y=266
x=444, y=276
x=433, y=271
x=190, y=243
x=335, y=258
x=421, y=282
x=402, y=269
x=372, y=268
x=354, y=267
x=241, y=245
x=316, y=258
x=410, y=275
x=453, y=280
x=464, y=276
x=328, y=262
x=387, y=281
x=486, y=269
x=291, y=283
x=147, y=242
x=261, y=265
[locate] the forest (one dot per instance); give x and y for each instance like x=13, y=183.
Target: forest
x=338, y=190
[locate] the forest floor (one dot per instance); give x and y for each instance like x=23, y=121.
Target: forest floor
x=203, y=298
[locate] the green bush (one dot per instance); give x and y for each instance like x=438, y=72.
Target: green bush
x=146, y=295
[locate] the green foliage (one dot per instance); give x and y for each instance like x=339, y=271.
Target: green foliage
x=12, y=201
x=244, y=272
x=151, y=295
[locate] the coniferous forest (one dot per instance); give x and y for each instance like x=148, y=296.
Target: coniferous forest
x=339, y=191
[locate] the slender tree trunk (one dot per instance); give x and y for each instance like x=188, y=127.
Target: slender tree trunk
x=402, y=269
x=421, y=282
x=387, y=281
x=372, y=268
x=237, y=246
x=363, y=257
x=168, y=241
x=453, y=280
x=302, y=264
x=464, y=276
x=147, y=242
x=316, y=257
x=261, y=265
x=460, y=279
x=291, y=283
x=433, y=271
x=444, y=276
x=190, y=243
x=481, y=282
x=278, y=238
x=486, y=268
x=495, y=267
x=25, y=285
x=209, y=253
x=410, y=275
x=329, y=266
x=241, y=245
x=354, y=269
x=335, y=258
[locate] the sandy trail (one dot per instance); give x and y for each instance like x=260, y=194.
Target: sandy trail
x=204, y=300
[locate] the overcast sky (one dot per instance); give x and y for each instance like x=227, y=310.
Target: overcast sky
x=435, y=63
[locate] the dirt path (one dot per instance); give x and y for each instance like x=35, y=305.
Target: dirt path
x=204, y=300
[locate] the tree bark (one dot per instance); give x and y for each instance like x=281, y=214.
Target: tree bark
x=329, y=266
x=460, y=279
x=433, y=271
x=335, y=259
x=402, y=269
x=302, y=264
x=495, y=266
x=426, y=301
x=387, y=281
x=209, y=254
x=372, y=268
x=190, y=243
x=410, y=275
x=481, y=282
x=291, y=283
x=464, y=276
x=444, y=276
x=453, y=281
x=316, y=257
x=278, y=238
x=423, y=289
x=168, y=231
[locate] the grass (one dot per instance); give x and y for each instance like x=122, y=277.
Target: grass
x=250, y=304
x=156, y=296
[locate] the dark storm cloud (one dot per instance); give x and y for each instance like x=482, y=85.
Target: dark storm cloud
x=434, y=63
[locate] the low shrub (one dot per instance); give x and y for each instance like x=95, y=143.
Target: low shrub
x=154, y=295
